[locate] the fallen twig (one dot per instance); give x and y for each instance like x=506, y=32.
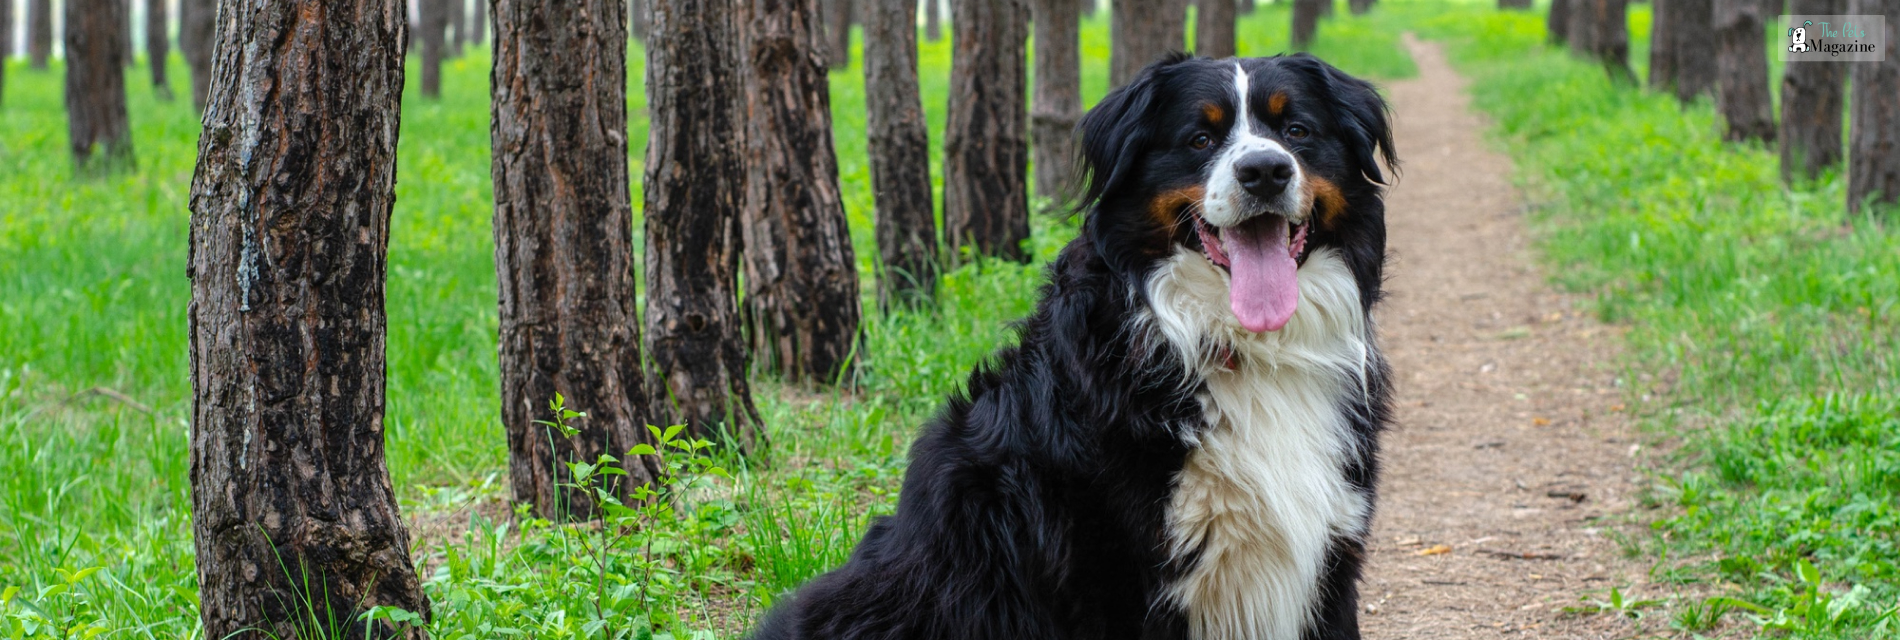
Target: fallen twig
x=1522, y=555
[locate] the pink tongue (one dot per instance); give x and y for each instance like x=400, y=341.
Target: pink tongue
x=1265, y=287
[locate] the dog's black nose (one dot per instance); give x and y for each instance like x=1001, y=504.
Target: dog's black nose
x=1264, y=174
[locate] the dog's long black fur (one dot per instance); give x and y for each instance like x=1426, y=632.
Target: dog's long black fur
x=1035, y=505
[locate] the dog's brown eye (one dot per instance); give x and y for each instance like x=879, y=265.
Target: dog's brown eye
x=1200, y=141
x=1296, y=132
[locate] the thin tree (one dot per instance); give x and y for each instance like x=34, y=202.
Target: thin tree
x=1690, y=22
x=456, y=19
x=900, y=156
x=478, y=22
x=1557, y=21
x=1143, y=31
x=39, y=32
x=837, y=22
x=1246, y=7
x=1874, y=161
x=197, y=34
x=1057, y=102
x=564, y=247
x=933, y=20
x=1662, y=45
x=434, y=44
x=6, y=45
x=295, y=522
x=158, y=47
x=1359, y=7
x=986, y=154
x=1742, y=65
x=801, y=276
x=1214, y=29
x=637, y=11
x=95, y=86
x=695, y=186
x=1514, y=4
x=1305, y=22
x=1812, y=100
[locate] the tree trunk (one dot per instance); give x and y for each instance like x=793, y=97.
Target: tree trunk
x=1514, y=4
x=95, y=85
x=292, y=510
x=1609, y=39
x=637, y=9
x=695, y=186
x=986, y=155
x=1662, y=46
x=801, y=276
x=933, y=20
x=39, y=32
x=6, y=45
x=1557, y=22
x=457, y=20
x=158, y=46
x=1743, y=97
x=1214, y=29
x=1695, y=55
x=434, y=44
x=1812, y=96
x=1144, y=31
x=1306, y=22
x=478, y=24
x=1359, y=7
x=838, y=32
x=1326, y=8
x=1057, y=103
x=1874, y=164
x=1247, y=7
x=126, y=56
x=900, y=157
x=197, y=33
x=1582, y=36
x=564, y=247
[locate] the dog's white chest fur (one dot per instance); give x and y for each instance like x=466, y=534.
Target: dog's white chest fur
x=1263, y=496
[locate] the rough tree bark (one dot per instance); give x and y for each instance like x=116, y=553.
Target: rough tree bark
x=985, y=150
x=292, y=510
x=838, y=32
x=95, y=85
x=900, y=157
x=1057, y=102
x=801, y=276
x=197, y=33
x=1695, y=54
x=1143, y=31
x=694, y=193
x=1557, y=22
x=933, y=20
x=39, y=32
x=1213, y=29
x=158, y=46
x=1874, y=161
x=1662, y=45
x=434, y=44
x=1812, y=100
x=1743, y=97
x=564, y=247
x=1305, y=21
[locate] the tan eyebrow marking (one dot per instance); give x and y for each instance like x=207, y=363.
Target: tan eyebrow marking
x=1214, y=113
x=1276, y=103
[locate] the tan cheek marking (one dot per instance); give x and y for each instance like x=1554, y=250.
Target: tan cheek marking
x=1215, y=115
x=1332, y=203
x=1164, y=206
x=1276, y=104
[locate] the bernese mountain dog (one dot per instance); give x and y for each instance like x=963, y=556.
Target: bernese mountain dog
x=1184, y=443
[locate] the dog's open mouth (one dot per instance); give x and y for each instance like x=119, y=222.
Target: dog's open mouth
x=1262, y=256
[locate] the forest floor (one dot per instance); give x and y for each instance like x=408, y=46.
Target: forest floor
x=1510, y=466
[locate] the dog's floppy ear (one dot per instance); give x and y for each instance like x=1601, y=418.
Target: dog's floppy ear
x=1116, y=132
x=1362, y=115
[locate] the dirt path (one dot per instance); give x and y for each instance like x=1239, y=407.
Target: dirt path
x=1509, y=440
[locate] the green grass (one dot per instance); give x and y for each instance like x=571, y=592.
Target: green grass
x=1763, y=330
x=94, y=491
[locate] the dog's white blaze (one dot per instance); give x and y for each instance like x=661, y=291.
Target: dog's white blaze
x=1226, y=202
x=1264, y=494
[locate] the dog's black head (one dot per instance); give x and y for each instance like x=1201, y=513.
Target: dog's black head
x=1252, y=162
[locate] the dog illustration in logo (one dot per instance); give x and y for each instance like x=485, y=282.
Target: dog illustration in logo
x=1798, y=36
